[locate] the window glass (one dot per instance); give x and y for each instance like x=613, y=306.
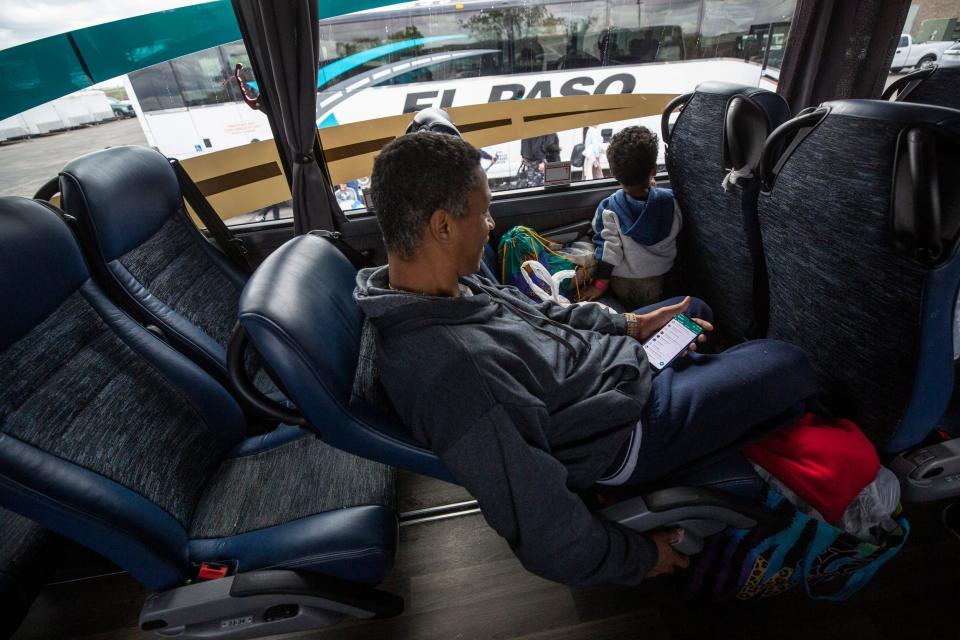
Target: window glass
x=499, y=68
x=157, y=88
x=203, y=78
x=933, y=27
x=185, y=108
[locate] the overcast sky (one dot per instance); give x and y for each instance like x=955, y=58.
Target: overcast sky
x=25, y=20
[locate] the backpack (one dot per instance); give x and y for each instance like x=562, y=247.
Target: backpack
x=793, y=553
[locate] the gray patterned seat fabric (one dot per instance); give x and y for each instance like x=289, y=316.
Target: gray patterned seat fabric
x=721, y=128
x=25, y=564
x=110, y=437
x=872, y=305
x=73, y=373
x=293, y=480
x=149, y=256
x=175, y=269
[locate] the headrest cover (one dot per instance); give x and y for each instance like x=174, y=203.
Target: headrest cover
x=121, y=196
x=433, y=119
x=40, y=265
x=751, y=115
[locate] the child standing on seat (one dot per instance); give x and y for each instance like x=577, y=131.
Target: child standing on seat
x=634, y=230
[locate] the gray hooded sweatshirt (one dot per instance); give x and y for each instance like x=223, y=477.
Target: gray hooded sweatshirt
x=525, y=404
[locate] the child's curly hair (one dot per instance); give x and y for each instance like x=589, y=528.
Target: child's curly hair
x=632, y=154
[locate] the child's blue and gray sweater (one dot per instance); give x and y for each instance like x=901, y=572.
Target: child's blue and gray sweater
x=636, y=238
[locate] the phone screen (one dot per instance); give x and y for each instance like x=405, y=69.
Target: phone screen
x=665, y=345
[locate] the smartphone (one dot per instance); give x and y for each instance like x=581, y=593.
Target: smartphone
x=667, y=344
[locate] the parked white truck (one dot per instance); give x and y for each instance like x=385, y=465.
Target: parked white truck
x=913, y=54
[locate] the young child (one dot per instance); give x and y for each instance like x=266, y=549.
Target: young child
x=634, y=230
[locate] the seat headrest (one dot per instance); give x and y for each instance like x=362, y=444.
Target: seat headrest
x=299, y=312
x=121, y=196
x=750, y=116
x=302, y=294
x=905, y=113
x=433, y=119
x=40, y=265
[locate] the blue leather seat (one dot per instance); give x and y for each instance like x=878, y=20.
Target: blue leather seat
x=311, y=332
x=720, y=133
x=934, y=85
x=110, y=437
x=860, y=233
x=26, y=561
x=148, y=255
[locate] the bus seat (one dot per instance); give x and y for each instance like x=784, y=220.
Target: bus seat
x=113, y=439
x=309, y=330
x=149, y=256
x=860, y=227
x=712, y=152
x=26, y=562
x=934, y=85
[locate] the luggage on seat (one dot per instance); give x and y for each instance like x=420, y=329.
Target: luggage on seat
x=113, y=439
x=860, y=231
x=712, y=153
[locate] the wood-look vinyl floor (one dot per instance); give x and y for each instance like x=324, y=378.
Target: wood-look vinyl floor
x=460, y=580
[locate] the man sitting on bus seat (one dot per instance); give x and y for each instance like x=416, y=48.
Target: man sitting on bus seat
x=527, y=404
x=635, y=230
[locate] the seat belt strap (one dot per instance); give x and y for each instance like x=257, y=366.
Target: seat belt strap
x=234, y=248
x=356, y=258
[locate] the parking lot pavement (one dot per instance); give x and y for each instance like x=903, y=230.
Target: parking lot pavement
x=26, y=164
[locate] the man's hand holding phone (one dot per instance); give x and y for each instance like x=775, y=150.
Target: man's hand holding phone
x=667, y=334
x=650, y=323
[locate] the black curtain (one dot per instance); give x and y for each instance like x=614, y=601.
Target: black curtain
x=281, y=37
x=839, y=49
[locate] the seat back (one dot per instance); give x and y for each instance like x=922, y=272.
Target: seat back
x=146, y=252
x=935, y=85
x=712, y=153
x=299, y=312
x=107, y=435
x=860, y=231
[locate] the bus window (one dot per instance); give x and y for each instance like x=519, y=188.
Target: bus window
x=531, y=81
x=187, y=108
x=193, y=110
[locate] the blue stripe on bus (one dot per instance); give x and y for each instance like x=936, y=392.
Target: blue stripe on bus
x=329, y=121
x=338, y=68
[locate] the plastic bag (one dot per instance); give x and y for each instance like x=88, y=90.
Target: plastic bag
x=581, y=252
x=552, y=281
x=538, y=276
x=870, y=516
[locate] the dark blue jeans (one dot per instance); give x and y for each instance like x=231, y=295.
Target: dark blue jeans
x=705, y=403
